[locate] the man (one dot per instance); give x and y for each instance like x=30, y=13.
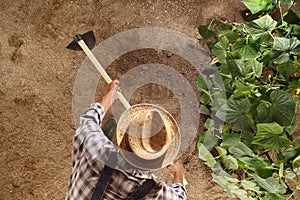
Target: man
x=92, y=150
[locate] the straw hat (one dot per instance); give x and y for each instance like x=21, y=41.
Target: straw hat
x=148, y=137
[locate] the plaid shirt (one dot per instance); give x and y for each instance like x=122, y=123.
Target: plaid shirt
x=91, y=149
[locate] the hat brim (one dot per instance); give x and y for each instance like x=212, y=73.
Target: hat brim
x=155, y=164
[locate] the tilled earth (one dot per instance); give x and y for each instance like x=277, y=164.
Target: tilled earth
x=38, y=74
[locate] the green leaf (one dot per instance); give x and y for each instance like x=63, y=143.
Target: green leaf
x=205, y=32
x=220, y=49
x=219, y=171
x=290, y=129
x=204, y=110
x=222, y=152
x=295, y=30
x=231, y=179
x=272, y=196
x=206, y=156
x=273, y=128
x=236, y=113
x=287, y=68
x=283, y=48
x=261, y=29
x=286, y=2
x=294, y=85
x=242, y=90
x=249, y=185
x=230, y=188
x=296, y=162
x=266, y=57
x=233, y=55
x=201, y=83
x=226, y=75
x=261, y=167
x=247, y=69
x=208, y=140
x=246, y=138
x=205, y=98
x=290, y=154
x=269, y=135
x=241, y=150
x=280, y=109
x=270, y=184
x=286, y=44
x=223, y=183
x=296, y=142
x=256, y=6
x=224, y=26
x=218, y=99
x=230, y=140
x=231, y=35
x=209, y=124
x=228, y=161
x=202, y=86
x=247, y=48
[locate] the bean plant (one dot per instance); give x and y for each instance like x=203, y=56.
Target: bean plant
x=250, y=96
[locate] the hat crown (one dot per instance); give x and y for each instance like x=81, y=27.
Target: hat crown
x=150, y=133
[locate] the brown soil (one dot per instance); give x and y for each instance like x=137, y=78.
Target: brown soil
x=38, y=73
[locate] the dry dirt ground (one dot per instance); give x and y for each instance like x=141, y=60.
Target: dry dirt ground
x=37, y=76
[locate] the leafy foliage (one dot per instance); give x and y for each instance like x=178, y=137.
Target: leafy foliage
x=258, y=65
x=260, y=29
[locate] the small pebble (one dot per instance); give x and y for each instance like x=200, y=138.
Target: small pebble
x=169, y=54
x=22, y=83
x=145, y=67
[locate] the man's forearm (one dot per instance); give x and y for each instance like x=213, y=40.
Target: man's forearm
x=110, y=95
x=105, y=101
x=178, y=179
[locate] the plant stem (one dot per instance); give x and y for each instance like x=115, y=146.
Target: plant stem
x=268, y=156
x=271, y=35
x=291, y=194
x=264, y=152
x=280, y=10
x=275, y=78
x=211, y=23
x=292, y=4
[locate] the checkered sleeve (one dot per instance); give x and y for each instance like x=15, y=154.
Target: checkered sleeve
x=97, y=146
x=180, y=190
x=94, y=114
x=91, y=150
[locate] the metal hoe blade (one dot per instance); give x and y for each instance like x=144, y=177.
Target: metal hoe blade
x=88, y=38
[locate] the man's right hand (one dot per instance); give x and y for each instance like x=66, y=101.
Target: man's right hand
x=111, y=95
x=177, y=171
